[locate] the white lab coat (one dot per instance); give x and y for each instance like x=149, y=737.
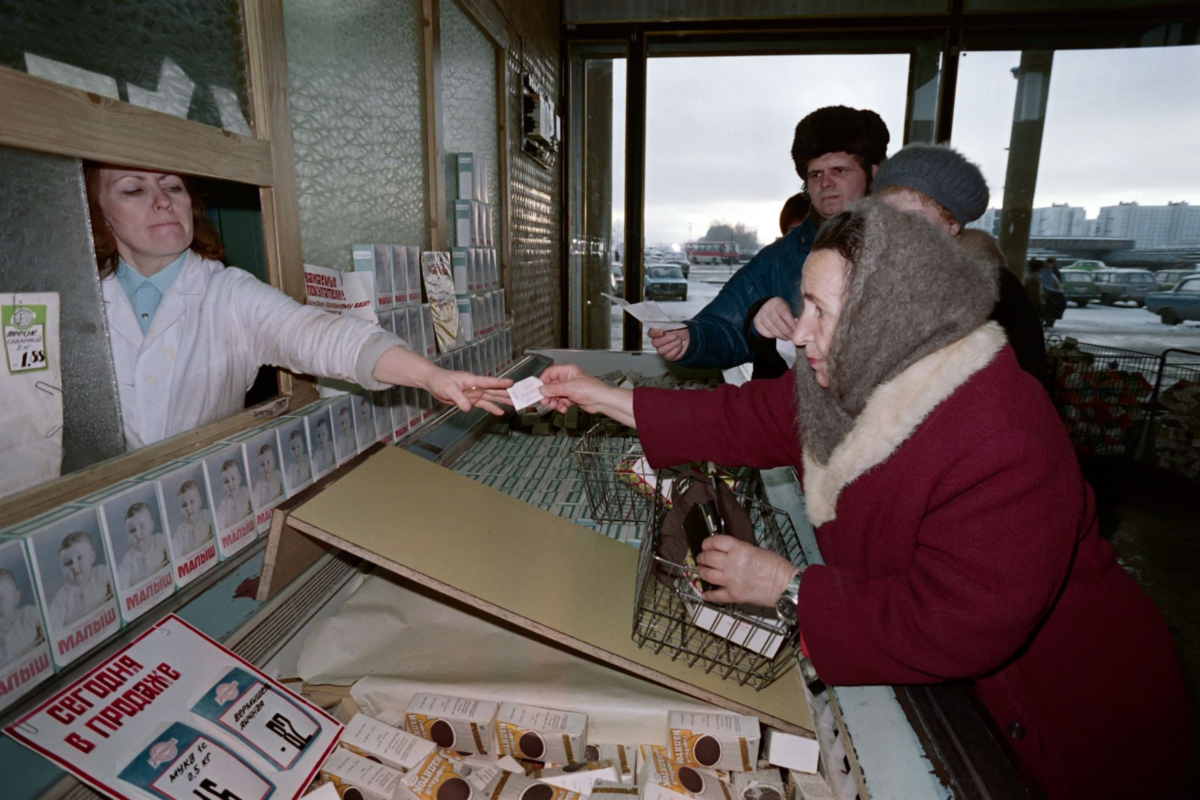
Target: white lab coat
x=212, y=331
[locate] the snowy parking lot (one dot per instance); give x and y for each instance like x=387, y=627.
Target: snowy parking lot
x=1123, y=326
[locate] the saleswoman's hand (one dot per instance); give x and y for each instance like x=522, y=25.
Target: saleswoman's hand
x=565, y=385
x=465, y=390
x=744, y=573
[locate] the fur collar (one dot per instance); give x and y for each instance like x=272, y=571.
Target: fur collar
x=895, y=410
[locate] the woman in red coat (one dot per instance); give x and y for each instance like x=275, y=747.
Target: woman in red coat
x=959, y=539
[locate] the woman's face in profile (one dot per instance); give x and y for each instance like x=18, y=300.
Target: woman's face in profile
x=822, y=284
x=149, y=214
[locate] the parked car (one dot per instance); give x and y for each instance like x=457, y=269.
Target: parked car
x=1182, y=302
x=1167, y=278
x=1080, y=287
x=1087, y=265
x=1124, y=284
x=665, y=281
x=618, y=281
x=679, y=261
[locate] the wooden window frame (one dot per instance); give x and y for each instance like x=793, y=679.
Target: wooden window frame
x=46, y=117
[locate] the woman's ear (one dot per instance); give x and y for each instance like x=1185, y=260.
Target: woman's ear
x=955, y=228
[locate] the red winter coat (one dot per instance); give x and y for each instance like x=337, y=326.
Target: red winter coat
x=960, y=541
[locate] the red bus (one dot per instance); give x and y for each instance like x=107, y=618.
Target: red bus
x=711, y=252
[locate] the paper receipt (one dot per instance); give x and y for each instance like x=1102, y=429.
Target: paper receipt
x=526, y=392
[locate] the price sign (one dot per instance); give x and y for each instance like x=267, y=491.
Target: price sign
x=25, y=337
x=246, y=738
x=267, y=720
x=183, y=764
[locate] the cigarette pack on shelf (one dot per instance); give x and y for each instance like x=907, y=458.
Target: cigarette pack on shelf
x=464, y=223
x=460, y=267
x=415, y=280
x=400, y=275
x=667, y=603
x=398, y=405
x=466, y=321
x=135, y=542
x=474, y=270
x=1101, y=394
x=377, y=260
x=429, y=336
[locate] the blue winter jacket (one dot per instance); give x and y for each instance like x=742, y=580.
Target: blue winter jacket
x=716, y=335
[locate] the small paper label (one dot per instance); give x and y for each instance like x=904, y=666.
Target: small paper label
x=526, y=392
x=25, y=337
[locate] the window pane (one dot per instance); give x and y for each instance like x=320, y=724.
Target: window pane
x=718, y=149
x=184, y=58
x=354, y=86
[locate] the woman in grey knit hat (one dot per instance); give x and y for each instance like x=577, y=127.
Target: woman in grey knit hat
x=958, y=537
x=938, y=183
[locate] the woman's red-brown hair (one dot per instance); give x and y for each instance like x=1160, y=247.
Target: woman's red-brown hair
x=206, y=241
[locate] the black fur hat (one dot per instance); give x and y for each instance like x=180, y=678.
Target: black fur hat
x=839, y=129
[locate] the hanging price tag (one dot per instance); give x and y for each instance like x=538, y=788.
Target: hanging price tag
x=25, y=337
x=183, y=764
x=261, y=716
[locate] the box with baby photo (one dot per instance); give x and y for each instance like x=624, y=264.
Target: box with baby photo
x=345, y=441
x=319, y=422
x=188, y=518
x=229, y=495
x=293, y=448
x=266, y=476
x=24, y=649
x=364, y=420
x=134, y=541
x=74, y=583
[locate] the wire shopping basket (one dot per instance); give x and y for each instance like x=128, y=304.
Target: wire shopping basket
x=751, y=646
x=1177, y=439
x=1101, y=394
x=610, y=463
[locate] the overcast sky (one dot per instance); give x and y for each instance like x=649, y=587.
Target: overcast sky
x=1120, y=125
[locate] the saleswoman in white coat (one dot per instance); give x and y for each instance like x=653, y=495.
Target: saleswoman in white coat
x=189, y=334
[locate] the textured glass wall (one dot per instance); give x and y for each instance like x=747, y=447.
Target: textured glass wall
x=354, y=85
x=469, y=96
x=184, y=58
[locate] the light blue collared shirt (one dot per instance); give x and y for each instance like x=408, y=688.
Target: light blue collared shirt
x=146, y=293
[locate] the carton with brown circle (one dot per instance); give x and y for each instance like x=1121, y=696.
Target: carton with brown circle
x=613, y=790
x=579, y=777
x=624, y=756
x=541, y=734
x=452, y=723
x=713, y=741
x=682, y=779
x=763, y=784
x=358, y=778
x=659, y=791
x=437, y=778
x=511, y=786
x=396, y=748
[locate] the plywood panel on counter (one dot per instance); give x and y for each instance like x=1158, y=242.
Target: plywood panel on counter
x=518, y=562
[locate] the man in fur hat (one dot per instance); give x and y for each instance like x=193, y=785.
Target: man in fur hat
x=836, y=151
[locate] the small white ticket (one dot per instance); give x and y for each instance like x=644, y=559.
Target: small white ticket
x=787, y=350
x=525, y=393
x=647, y=313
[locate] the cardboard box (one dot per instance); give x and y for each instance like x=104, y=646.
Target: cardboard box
x=188, y=517
x=790, y=750
x=463, y=223
x=74, y=582
x=712, y=740
x=437, y=778
x=377, y=260
x=682, y=779
x=400, y=276
x=414, y=275
x=764, y=784
x=266, y=476
x=135, y=542
x=613, y=790
x=394, y=747
x=757, y=638
x=541, y=734
x=453, y=723
x=510, y=786
x=809, y=787
x=701, y=783
x=623, y=755
x=230, y=499
x=25, y=659
x=579, y=777
x=376, y=781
